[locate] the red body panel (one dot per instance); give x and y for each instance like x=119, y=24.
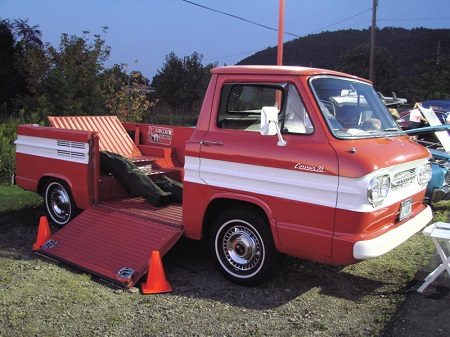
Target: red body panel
x=360, y=157
x=305, y=214
x=54, y=133
x=32, y=169
x=75, y=175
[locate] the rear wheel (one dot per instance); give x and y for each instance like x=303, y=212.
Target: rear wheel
x=59, y=203
x=243, y=247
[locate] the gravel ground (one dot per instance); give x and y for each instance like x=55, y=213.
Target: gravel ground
x=426, y=313
x=40, y=297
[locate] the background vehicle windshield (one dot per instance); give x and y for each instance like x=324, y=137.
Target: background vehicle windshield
x=352, y=108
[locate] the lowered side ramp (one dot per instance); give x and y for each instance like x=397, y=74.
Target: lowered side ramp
x=115, y=240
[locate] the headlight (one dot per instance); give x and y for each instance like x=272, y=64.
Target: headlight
x=378, y=189
x=424, y=175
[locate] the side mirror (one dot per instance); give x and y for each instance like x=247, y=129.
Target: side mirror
x=269, y=123
x=269, y=120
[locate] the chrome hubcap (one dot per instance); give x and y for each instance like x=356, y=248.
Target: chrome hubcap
x=242, y=248
x=59, y=203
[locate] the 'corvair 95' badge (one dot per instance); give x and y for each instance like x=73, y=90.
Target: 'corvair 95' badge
x=312, y=168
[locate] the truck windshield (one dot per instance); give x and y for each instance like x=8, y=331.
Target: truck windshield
x=352, y=108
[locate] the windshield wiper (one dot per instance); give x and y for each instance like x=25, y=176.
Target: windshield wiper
x=391, y=129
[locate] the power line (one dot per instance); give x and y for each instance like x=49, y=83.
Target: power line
x=287, y=33
x=271, y=28
x=351, y=17
x=238, y=17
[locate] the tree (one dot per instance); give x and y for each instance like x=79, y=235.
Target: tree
x=126, y=95
x=74, y=82
x=114, y=84
x=167, y=81
x=137, y=92
x=181, y=83
x=434, y=82
x=46, y=80
x=195, y=79
x=19, y=44
x=356, y=62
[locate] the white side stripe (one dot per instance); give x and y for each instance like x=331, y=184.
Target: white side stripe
x=308, y=187
x=76, y=152
x=288, y=184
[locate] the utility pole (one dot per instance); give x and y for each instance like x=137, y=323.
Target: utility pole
x=280, y=33
x=372, y=40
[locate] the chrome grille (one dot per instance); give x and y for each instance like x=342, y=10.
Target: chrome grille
x=404, y=178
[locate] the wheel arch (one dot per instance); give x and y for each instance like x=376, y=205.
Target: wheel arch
x=77, y=198
x=48, y=177
x=225, y=202
x=59, y=203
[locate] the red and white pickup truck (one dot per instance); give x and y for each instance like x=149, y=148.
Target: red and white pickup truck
x=300, y=161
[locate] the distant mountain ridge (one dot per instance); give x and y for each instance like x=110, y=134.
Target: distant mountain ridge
x=325, y=50
x=409, y=47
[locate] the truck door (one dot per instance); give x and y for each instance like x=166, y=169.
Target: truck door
x=298, y=181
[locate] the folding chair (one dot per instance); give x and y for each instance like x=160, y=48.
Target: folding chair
x=439, y=232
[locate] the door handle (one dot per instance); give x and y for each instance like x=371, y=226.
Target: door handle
x=208, y=143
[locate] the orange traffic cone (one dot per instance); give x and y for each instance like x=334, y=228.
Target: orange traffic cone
x=43, y=233
x=156, y=280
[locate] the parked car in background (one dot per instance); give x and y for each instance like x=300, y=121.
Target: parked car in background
x=393, y=104
x=442, y=104
x=438, y=187
x=403, y=121
x=393, y=100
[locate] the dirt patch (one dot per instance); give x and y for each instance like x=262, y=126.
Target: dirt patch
x=40, y=297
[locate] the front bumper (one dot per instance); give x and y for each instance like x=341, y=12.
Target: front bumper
x=384, y=243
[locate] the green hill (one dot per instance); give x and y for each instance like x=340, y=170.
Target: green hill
x=402, y=57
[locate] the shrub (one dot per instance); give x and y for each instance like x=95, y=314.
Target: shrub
x=7, y=156
x=8, y=134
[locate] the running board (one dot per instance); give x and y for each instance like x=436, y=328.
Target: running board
x=114, y=241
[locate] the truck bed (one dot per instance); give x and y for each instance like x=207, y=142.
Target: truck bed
x=114, y=240
x=138, y=207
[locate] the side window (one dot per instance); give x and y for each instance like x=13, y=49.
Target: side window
x=241, y=104
x=296, y=119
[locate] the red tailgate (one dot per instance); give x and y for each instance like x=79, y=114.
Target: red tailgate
x=114, y=240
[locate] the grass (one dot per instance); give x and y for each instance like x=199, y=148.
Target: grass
x=14, y=198
x=42, y=298
x=441, y=211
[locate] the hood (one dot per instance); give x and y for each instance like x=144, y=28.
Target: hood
x=360, y=157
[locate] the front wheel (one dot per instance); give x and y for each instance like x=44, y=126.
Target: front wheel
x=243, y=247
x=59, y=203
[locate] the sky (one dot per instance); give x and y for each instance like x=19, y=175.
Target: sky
x=142, y=32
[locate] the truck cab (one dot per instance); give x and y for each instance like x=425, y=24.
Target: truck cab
x=314, y=156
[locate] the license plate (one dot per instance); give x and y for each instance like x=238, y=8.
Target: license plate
x=405, y=209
